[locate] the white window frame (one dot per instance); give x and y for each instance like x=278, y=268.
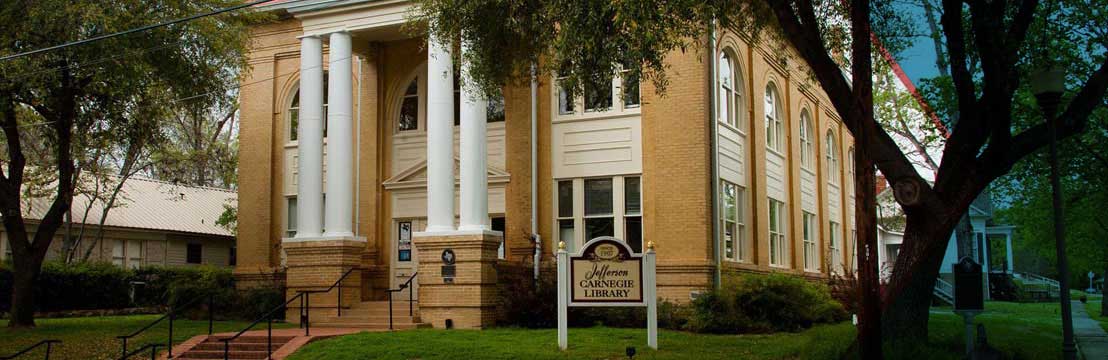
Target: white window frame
x=834, y=247
x=811, y=253
x=619, y=211
x=579, y=112
x=732, y=110
x=832, y=158
x=778, y=243
x=737, y=223
x=806, y=140
x=294, y=108
x=774, y=126
x=419, y=105
x=850, y=171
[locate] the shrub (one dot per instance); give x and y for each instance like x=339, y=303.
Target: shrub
x=764, y=303
x=83, y=286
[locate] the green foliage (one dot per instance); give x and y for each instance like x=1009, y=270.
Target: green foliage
x=764, y=303
x=93, y=286
x=229, y=219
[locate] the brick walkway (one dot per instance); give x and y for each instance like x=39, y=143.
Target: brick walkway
x=1092, y=341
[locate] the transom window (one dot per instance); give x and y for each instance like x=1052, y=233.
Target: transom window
x=774, y=127
x=811, y=256
x=806, y=137
x=733, y=222
x=730, y=92
x=777, y=230
x=832, y=159
x=294, y=112
x=588, y=208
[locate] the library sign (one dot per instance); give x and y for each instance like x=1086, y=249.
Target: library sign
x=606, y=272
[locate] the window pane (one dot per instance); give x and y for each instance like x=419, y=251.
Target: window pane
x=728, y=240
x=773, y=216
x=631, y=92
x=565, y=101
x=598, y=196
x=724, y=116
x=291, y=221
x=495, y=108
x=598, y=94
x=633, y=227
x=632, y=198
x=409, y=108
x=294, y=122
x=565, y=198
x=595, y=227
x=730, y=203
x=565, y=232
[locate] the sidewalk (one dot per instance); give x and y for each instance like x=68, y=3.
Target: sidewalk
x=1092, y=341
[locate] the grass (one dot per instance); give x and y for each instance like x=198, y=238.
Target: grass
x=821, y=342
x=1021, y=331
x=89, y=338
x=1093, y=308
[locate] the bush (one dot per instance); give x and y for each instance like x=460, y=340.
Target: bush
x=104, y=286
x=764, y=303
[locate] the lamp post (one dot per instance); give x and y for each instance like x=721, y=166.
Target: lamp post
x=1048, y=85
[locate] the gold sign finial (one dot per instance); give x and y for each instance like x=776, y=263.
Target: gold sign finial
x=650, y=244
x=561, y=245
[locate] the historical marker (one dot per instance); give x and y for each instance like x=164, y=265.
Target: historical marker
x=607, y=273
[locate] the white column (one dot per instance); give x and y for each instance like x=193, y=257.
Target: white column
x=440, y=137
x=1008, y=246
x=340, y=143
x=309, y=189
x=473, y=169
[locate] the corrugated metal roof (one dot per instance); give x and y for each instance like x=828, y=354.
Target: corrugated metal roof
x=149, y=204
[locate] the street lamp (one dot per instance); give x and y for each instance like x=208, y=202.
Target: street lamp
x=1048, y=86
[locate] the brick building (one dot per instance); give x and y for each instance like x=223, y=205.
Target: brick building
x=340, y=82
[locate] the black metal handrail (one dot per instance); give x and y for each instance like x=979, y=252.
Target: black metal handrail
x=305, y=316
x=405, y=285
x=171, y=315
x=153, y=351
x=47, y=342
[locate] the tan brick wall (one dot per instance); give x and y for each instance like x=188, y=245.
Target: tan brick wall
x=470, y=300
x=315, y=266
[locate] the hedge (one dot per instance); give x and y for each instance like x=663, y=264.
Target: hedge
x=104, y=286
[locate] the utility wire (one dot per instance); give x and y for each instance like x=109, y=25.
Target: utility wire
x=135, y=30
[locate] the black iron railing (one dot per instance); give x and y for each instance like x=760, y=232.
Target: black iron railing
x=153, y=351
x=305, y=316
x=47, y=342
x=171, y=316
x=405, y=285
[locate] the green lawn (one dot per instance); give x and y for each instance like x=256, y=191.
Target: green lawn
x=1022, y=331
x=91, y=338
x=1093, y=308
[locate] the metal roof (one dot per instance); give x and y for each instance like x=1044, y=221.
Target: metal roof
x=148, y=204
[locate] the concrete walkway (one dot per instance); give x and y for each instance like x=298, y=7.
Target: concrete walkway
x=1092, y=341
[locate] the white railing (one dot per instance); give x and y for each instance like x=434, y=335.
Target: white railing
x=944, y=290
x=1035, y=280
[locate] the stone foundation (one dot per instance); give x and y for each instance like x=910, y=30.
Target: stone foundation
x=469, y=302
x=316, y=265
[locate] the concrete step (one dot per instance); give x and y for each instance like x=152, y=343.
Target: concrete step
x=372, y=325
x=251, y=339
x=366, y=318
x=235, y=346
x=212, y=354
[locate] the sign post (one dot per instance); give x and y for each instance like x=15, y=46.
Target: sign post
x=606, y=272
x=1091, y=289
x=969, y=299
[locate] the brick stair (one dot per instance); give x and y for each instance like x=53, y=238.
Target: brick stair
x=245, y=347
x=373, y=315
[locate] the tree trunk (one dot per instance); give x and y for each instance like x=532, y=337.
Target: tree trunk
x=908, y=297
x=1103, y=300
x=27, y=269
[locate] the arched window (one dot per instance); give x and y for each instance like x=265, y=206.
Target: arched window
x=806, y=154
x=774, y=127
x=850, y=170
x=832, y=159
x=730, y=92
x=294, y=112
x=409, y=108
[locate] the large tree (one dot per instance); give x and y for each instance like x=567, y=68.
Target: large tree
x=584, y=40
x=61, y=98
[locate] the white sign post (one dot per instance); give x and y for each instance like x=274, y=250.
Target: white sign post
x=607, y=273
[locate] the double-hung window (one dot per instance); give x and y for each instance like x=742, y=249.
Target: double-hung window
x=733, y=222
x=806, y=137
x=777, y=243
x=834, y=247
x=587, y=208
x=774, y=127
x=811, y=256
x=832, y=159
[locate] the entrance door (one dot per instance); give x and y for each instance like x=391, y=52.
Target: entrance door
x=404, y=259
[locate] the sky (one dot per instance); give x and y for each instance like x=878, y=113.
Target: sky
x=918, y=61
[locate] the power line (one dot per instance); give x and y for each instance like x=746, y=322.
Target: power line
x=135, y=30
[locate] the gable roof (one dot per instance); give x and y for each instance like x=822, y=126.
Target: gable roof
x=149, y=204
x=415, y=176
